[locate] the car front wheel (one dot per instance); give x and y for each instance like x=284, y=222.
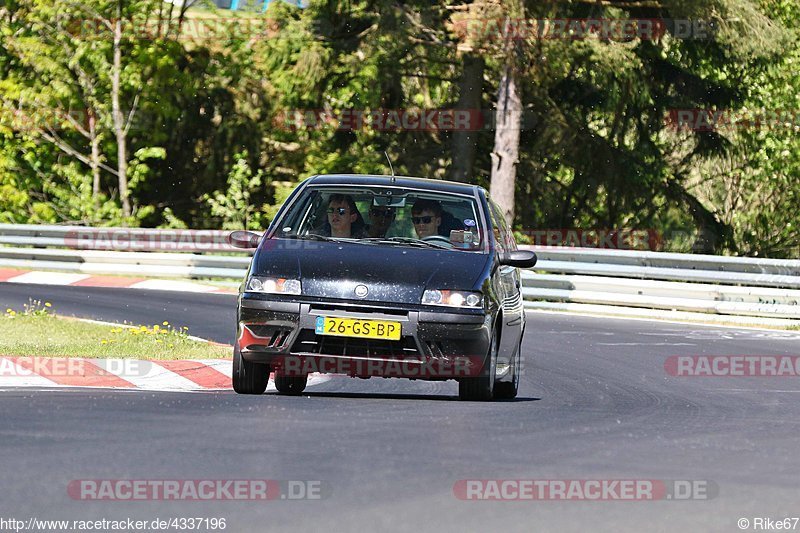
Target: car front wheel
x=481, y=388
x=507, y=390
x=248, y=378
x=291, y=385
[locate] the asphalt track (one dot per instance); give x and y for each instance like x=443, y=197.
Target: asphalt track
x=595, y=403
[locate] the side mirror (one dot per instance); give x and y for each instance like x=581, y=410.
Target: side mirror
x=519, y=259
x=244, y=239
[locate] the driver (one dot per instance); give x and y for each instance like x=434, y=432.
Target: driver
x=426, y=215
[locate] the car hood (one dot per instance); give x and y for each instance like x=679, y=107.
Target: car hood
x=390, y=273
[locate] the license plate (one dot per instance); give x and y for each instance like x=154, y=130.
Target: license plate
x=355, y=327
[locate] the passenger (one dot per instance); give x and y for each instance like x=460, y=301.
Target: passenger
x=380, y=218
x=426, y=215
x=343, y=217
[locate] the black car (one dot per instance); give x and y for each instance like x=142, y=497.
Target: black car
x=382, y=276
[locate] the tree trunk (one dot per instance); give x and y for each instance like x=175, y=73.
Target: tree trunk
x=94, y=161
x=119, y=120
x=713, y=234
x=505, y=155
x=465, y=143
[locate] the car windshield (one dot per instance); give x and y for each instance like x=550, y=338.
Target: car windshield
x=385, y=217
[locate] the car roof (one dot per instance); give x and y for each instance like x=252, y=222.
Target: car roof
x=395, y=181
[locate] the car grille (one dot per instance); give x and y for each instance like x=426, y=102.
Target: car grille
x=320, y=309
x=310, y=342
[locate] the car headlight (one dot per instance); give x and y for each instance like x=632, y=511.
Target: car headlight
x=452, y=298
x=273, y=285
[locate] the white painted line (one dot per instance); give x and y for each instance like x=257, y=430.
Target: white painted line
x=48, y=278
x=146, y=375
x=751, y=390
x=13, y=375
x=169, y=285
x=687, y=322
x=318, y=379
x=644, y=344
x=223, y=366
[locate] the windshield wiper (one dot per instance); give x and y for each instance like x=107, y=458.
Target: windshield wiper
x=411, y=241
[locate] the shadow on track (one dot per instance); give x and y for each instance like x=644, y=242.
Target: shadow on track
x=396, y=396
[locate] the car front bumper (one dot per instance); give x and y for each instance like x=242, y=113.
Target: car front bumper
x=434, y=344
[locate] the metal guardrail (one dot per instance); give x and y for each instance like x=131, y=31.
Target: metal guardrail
x=730, y=286
x=117, y=239
x=779, y=273
x=173, y=265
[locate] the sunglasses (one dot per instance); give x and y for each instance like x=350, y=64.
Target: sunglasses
x=421, y=220
x=338, y=210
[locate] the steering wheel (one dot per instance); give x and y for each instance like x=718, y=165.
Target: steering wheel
x=438, y=239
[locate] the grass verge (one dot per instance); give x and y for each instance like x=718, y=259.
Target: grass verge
x=36, y=331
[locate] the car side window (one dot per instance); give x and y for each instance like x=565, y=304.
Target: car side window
x=498, y=227
x=511, y=244
x=505, y=230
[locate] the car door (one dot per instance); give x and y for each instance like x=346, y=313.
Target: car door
x=508, y=285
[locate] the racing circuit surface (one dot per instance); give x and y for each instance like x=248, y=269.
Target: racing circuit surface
x=596, y=403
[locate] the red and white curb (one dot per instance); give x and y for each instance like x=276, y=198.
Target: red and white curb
x=132, y=374
x=87, y=280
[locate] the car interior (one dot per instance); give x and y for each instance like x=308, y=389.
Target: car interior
x=459, y=226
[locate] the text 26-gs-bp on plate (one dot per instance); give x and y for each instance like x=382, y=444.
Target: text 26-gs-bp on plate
x=384, y=276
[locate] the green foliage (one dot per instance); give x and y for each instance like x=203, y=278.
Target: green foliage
x=234, y=206
x=213, y=139
x=282, y=192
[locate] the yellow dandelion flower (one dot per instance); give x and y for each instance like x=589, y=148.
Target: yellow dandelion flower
x=165, y=323
x=103, y=341
x=48, y=304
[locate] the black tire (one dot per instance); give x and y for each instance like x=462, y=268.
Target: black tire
x=290, y=385
x=507, y=390
x=482, y=388
x=248, y=378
